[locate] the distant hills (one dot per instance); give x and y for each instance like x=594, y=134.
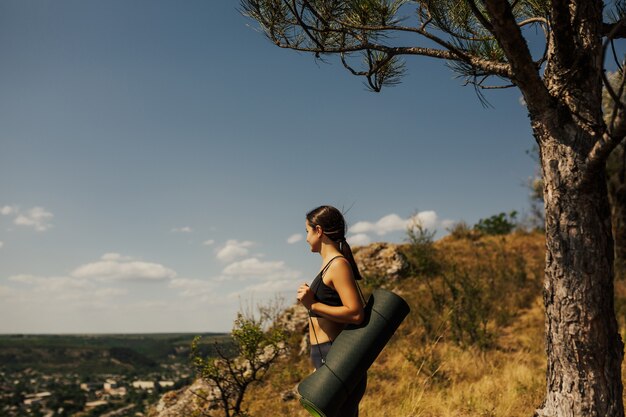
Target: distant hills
x=96, y=354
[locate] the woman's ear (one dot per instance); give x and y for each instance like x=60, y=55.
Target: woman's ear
x=318, y=230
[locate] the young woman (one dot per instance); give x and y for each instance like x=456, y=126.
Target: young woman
x=333, y=299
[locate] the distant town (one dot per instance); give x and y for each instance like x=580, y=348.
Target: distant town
x=31, y=393
x=43, y=379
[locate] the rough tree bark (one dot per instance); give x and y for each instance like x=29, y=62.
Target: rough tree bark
x=583, y=346
x=584, y=350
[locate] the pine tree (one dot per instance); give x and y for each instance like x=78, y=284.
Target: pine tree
x=486, y=42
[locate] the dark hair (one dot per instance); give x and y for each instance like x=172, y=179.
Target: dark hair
x=334, y=226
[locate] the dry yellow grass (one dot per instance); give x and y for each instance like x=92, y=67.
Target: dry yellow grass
x=506, y=381
x=413, y=378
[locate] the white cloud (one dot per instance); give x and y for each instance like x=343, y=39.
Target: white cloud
x=113, y=256
x=208, y=242
x=37, y=217
x=60, y=304
x=234, y=249
x=447, y=224
x=194, y=288
x=386, y=224
x=288, y=286
x=190, y=283
x=428, y=219
x=393, y=223
x=113, y=266
x=270, y=277
x=51, y=284
x=185, y=229
x=23, y=279
x=8, y=210
x=360, y=239
x=253, y=267
x=109, y=292
x=294, y=238
x=6, y=292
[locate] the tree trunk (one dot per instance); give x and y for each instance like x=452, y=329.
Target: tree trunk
x=584, y=349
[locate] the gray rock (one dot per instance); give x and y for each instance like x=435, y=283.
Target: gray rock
x=381, y=261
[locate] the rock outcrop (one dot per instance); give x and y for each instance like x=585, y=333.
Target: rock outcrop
x=295, y=320
x=381, y=261
x=183, y=402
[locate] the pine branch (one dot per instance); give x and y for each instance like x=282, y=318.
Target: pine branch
x=616, y=130
x=607, y=143
x=480, y=16
x=342, y=28
x=526, y=75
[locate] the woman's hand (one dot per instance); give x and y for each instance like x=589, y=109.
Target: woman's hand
x=305, y=296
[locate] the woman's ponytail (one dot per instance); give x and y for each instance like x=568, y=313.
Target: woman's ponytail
x=346, y=251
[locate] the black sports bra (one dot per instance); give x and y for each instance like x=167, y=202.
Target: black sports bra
x=322, y=292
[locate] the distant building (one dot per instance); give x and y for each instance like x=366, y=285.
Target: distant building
x=143, y=384
x=35, y=398
x=89, y=386
x=117, y=392
x=109, y=384
x=94, y=404
x=31, y=401
x=165, y=384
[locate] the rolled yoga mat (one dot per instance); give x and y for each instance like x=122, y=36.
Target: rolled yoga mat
x=352, y=353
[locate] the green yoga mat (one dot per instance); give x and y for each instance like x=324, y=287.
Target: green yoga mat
x=352, y=353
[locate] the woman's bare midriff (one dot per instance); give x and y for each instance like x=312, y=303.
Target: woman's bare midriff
x=325, y=330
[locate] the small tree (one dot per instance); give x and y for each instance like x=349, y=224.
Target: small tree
x=421, y=252
x=498, y=224
x=258, y=340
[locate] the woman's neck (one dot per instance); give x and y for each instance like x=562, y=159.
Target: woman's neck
x=328, y=251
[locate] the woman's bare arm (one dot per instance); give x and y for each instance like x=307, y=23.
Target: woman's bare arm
x=338, y=276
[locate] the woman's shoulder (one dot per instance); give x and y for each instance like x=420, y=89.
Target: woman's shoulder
x=339, y=266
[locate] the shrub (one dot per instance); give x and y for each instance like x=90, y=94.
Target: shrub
x=474, y=299
x=498, y=224
x=428, y=361
x=258, y=342
x=420, y=252
x=461, y=230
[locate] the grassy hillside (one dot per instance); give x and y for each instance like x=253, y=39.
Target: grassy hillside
x=472, y=345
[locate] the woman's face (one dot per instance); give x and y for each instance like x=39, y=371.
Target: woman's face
x=314, y=237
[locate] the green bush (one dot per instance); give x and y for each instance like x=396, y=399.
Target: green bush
x=498, y=224
x=421, y=253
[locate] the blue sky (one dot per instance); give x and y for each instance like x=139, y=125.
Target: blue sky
x=157, y=159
